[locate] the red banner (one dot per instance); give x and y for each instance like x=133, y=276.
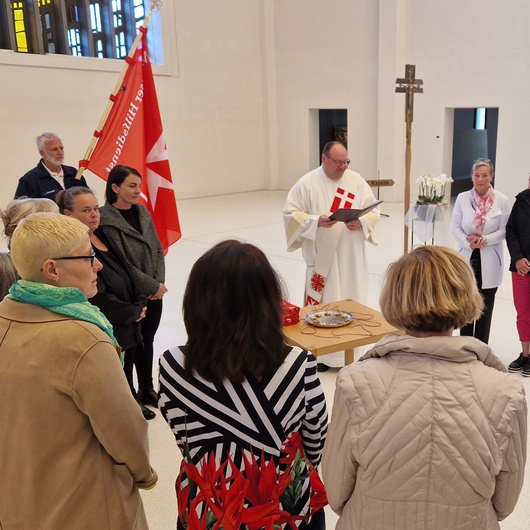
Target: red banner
x=133, y=136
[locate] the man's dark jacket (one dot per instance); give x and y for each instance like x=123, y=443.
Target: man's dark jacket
x=38, y=182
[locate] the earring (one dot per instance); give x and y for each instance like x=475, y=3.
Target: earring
x=56, y=279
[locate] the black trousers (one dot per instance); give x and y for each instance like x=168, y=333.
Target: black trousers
x=129, y=357
x=144, y=354
x=480, y=328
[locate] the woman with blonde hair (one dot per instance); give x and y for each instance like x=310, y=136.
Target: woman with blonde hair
x=8, y=274
x=17, y=209
x=427, y=429
x=478, y=224
x=73, y=442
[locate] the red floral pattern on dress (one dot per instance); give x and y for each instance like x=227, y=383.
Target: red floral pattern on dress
x=259, y=497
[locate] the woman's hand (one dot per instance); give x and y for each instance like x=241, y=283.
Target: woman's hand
x=142, y=314
x=523, y=266
x=162, y=290
x=476, y=241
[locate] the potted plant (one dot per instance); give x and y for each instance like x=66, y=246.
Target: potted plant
x=432, y=189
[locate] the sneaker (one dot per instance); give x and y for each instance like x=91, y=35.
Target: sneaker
x=519, y=364
x=526, y=370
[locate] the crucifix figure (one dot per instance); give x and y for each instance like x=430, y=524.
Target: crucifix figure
x=409, y=85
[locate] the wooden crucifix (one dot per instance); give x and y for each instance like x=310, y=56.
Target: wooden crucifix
x=409, y=85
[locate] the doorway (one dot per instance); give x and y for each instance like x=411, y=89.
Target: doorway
x=474, y=136
x=332, y=125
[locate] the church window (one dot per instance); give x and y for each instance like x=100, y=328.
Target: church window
x=480, y=118
x=80, y=28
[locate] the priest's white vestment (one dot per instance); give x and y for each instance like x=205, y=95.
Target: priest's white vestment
x=312, y=196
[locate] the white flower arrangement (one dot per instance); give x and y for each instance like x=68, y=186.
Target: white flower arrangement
x=432, y=189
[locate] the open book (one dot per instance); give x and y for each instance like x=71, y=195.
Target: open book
x=349, y=214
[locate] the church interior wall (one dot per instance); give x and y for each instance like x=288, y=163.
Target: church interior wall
x=471, y=54
x=326, y=58
x=242, y=81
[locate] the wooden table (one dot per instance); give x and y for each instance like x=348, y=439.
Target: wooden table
x=367, y=327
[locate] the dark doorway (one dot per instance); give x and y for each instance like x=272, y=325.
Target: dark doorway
x=474, y=136
x=333, y=125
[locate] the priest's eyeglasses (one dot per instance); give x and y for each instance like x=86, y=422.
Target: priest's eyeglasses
x=339, y=162
x=91, y=257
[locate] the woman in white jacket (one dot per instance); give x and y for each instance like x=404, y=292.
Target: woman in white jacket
x=479, y=226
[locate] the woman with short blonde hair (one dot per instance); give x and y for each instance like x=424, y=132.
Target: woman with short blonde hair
x=427, y=430
x=43, y=236
x=430, y=290
x=73, y=442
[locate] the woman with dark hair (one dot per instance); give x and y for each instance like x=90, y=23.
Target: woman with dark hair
x=130, y=226
x=427, y=429
x=117, y=297
x=518, y=241
x=244, y=407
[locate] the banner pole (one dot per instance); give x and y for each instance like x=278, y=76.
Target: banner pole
x=153, y=4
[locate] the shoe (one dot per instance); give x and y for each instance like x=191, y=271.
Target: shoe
x=148, y=398
x=526, y=370
x=321, y=367
x=519, y=364
x=148, y=413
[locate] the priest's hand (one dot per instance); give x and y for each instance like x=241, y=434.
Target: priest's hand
x=353, y=225
x=325, y=222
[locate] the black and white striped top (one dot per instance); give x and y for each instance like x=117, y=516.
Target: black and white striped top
x=251, y=418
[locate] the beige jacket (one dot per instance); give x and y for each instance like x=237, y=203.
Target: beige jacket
x=425, y=433
x=73, y=441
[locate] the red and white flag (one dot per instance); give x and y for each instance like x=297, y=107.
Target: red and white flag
x=342, y=199
x=132, y=136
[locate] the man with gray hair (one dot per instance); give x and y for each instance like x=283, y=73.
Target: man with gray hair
x=50, y=175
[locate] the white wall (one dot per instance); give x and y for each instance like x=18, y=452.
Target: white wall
x=472, y=54
x=326, y=58
x=243, y=78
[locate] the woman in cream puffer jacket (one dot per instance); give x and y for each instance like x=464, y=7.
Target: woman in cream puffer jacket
x=427, y=431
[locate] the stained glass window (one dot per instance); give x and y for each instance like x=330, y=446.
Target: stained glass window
x=20, y=27
x=91, y=28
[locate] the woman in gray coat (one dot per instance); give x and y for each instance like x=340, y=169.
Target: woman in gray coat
x=129, y=224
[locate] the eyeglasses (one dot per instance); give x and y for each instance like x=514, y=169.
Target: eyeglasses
x=92, y=257
x=339, y=162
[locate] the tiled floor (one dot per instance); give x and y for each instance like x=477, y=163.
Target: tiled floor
x=256, y=218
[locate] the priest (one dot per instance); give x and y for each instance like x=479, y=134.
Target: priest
x=334, y=251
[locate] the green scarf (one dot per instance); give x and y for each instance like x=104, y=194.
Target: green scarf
x=69, y=301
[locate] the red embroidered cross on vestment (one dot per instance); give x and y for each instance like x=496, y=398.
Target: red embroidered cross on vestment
x=343, y=199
